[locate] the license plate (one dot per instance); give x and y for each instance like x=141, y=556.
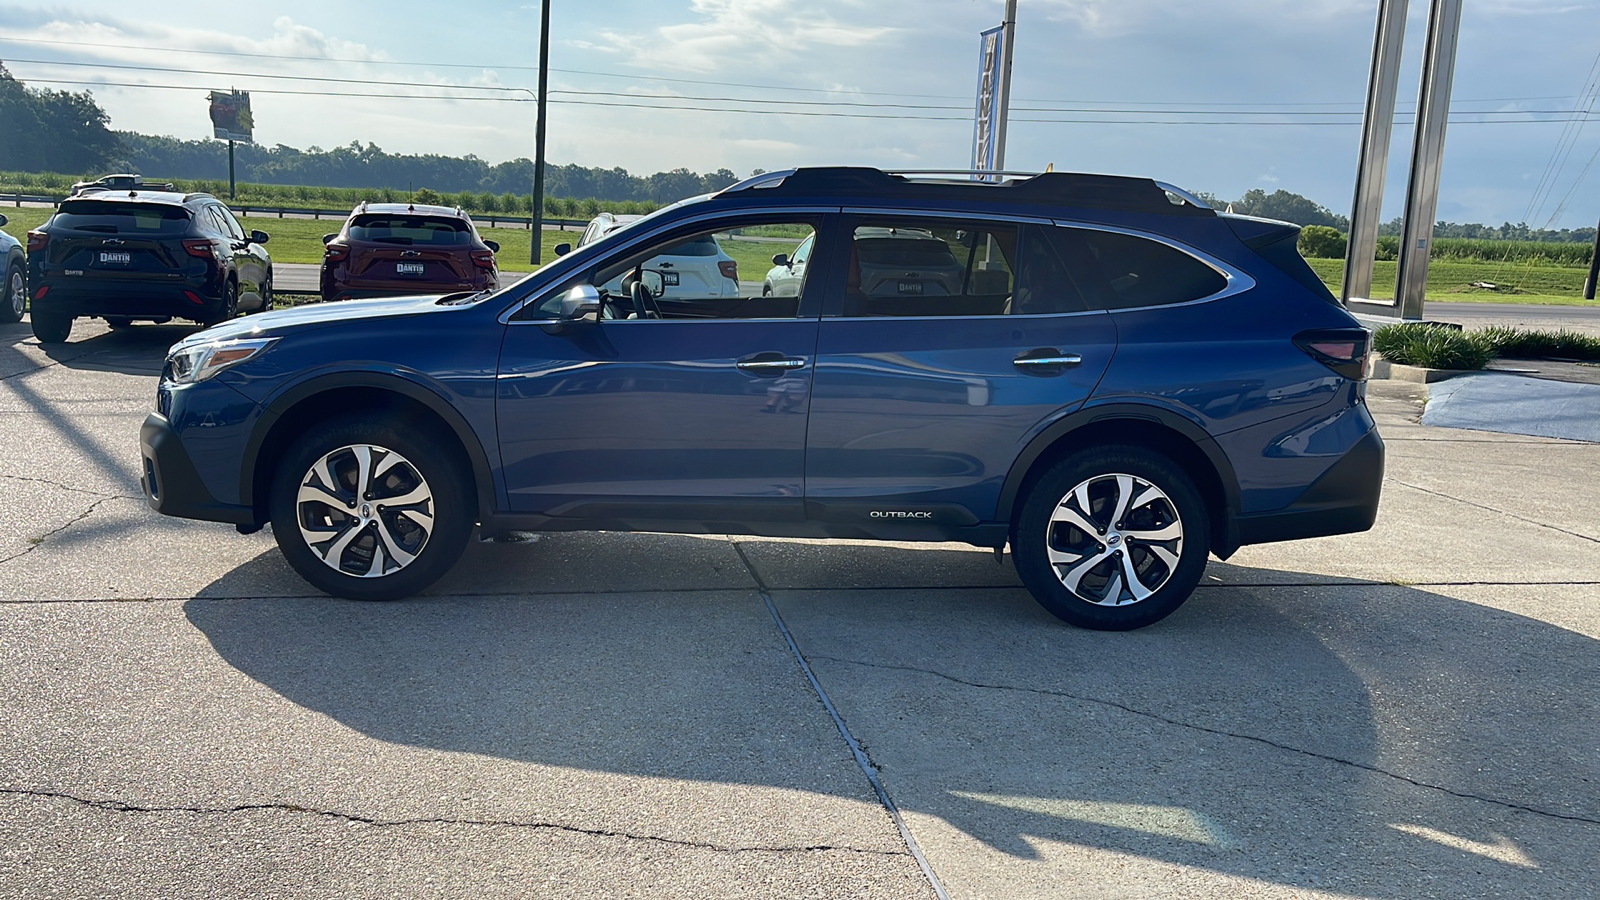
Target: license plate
x=115, y=259
x=910, y=287
x=669, y=279
x=408, y=268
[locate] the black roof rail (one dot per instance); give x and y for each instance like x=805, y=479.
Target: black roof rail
x=1045, y=189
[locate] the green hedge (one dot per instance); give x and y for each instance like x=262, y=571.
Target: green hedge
x=1442, y=347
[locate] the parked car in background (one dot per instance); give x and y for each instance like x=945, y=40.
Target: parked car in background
x=122, y=182
x=394, y=249
x=788, y=271
x=129, y=256
x=1118, y=383
x=697, y=268
x=14, y=264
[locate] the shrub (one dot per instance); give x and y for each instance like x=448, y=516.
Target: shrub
x=1322, y=242
x=426, y=195
x=1432, y=346
x=1515, y=344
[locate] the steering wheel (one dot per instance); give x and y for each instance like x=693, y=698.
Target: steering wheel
x=644, y=302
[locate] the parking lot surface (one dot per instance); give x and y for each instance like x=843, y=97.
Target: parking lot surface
x=1406, y=713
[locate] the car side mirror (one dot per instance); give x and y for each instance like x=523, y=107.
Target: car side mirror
x=653, y=281
x=328, y=238
x=259, y=237
x=492, y=245
x=782, y=259
x=580, y=303
x=3, y=219
x=562, y=249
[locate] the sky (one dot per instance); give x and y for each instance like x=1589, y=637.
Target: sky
x=1221, y=96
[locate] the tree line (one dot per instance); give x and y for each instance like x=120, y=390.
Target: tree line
x=65, y=132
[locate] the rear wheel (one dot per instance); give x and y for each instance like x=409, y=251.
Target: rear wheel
x=1112, y=539
x=229, y=306
x=51, y=327
x=369, y=511
x=16, y=295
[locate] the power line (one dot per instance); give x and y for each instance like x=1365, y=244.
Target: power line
x=784, y=112
x=662, y=78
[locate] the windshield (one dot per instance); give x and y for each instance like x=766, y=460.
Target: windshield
x=411, y=230
x=112, y=217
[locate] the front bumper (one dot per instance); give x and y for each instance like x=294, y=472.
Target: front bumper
x=172, y=485
x=1343, y=501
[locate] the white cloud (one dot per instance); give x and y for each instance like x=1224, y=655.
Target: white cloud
x=729, y=32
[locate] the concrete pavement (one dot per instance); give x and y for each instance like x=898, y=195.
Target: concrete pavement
x=1401, y=714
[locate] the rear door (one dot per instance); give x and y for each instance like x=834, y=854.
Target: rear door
x=922, y=400
x=250, y=260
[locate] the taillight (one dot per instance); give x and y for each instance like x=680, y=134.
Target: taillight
x=1343, y=350
x=483, y=259
x=335, y=252
x=199, y=247
x=730, y=269
x=37, y=241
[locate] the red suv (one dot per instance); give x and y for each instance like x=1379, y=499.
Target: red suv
x=392, y=249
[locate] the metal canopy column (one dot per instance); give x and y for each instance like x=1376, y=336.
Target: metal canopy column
x=1427, y=154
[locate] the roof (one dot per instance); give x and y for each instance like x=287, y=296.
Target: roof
x=120, y=195
x=1046, y=189
x=401, y=209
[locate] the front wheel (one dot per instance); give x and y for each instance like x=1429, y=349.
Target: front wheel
x=366, y=510
x=1112, y=539
x=16, y=295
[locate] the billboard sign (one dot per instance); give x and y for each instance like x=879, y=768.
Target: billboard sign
x=991, y=65
x=230, y=116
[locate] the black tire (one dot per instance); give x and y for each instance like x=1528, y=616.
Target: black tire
x=15, y=299
x=119, y=323
x=51, y=327
x=229, y=306
x=267, y=301
x=1167, y=570
x=425, y=463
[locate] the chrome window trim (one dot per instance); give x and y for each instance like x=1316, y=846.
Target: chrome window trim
x=505, y=317
x=1183, y=195
x=1238, y=280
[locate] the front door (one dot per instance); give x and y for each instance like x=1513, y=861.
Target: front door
x=671, y=407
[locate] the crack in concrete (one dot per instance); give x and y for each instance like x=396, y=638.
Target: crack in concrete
x=1502, y=512
x=120, y=806
x=68, y=487
x=37, y=542
x=1112, y=704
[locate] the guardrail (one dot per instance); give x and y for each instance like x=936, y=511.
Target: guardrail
x=495, y=220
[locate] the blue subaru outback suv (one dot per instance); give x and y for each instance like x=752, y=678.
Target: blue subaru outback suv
x=1099, y=371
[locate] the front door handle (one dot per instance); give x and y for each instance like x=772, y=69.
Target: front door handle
x=769, y=365
x=1046, y=361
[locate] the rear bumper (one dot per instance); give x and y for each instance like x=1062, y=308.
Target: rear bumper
x=170, y=300
x=333, y=289
x=1343, y=501
x=172, y=485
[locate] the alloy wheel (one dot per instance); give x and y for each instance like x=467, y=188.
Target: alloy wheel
x=16, y=294
x=1114, y=540
x=365, y=511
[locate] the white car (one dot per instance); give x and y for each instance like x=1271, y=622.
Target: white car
x=694, y=269
x=788, y=272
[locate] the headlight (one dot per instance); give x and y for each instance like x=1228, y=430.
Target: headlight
x=201, y=361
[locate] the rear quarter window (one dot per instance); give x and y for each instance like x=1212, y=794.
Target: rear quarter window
x=1124, y=271
x=411, y=230
x=111, y=217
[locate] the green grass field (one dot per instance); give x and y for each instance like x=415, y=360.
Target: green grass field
x=300, y=241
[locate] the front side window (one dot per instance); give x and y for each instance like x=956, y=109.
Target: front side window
x=707, y=273
x=951, y=268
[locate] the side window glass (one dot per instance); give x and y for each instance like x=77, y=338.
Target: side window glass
x=704, y=274
x=228, y=219
x=802, y=253
x=909, y=268
x=1124, y=271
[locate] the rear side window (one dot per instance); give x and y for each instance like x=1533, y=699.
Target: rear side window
x=1124, y=271
x=110, y=217
x=411, y=230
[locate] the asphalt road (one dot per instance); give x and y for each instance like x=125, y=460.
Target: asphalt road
x=1407, y=713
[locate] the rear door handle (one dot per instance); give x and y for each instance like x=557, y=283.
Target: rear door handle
x=1046, y=361
x=769, y=365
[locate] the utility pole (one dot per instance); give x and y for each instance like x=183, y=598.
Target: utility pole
x=230, y=171
x=538, y=153
x=1594, y=268
x=1003, y=101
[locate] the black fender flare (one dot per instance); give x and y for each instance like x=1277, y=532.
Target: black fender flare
x=1063, y=428
x=395, y=382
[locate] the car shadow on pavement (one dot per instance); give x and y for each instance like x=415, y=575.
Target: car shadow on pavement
x=1373, y=739
x=136, y=350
